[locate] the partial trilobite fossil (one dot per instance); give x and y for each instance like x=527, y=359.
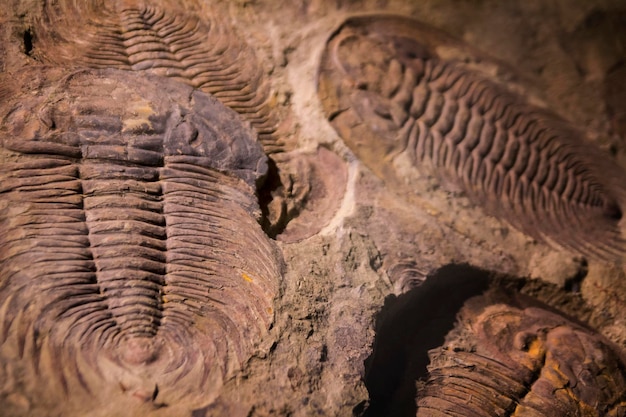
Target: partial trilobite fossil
x=133, y=270
x=514, y=358
x=391, y=93
x=190, y=42
x=183, y=40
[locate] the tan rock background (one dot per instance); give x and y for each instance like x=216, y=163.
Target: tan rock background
x=379, y=241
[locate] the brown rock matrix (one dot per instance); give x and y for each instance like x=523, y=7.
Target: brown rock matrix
x=133, y=272
x=513, y=360
x=183, y=40
x=393, y=98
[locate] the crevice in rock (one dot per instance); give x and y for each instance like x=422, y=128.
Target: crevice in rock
x=28, y=41
x=409, y=326
x=273, y=221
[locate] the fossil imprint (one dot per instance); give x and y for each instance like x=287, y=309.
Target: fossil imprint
x=182, y=40
x=390, y=95
x=132, y=266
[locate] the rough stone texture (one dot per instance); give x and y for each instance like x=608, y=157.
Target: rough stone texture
x=134, y=272
x=382, y=240
x=315, y=187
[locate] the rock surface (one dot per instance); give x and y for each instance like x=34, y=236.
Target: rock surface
x=378, y=245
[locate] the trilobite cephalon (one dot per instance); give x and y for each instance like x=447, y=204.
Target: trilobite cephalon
x=133, y=270
x=183, y=39
x=522, y=359
x=390, y=95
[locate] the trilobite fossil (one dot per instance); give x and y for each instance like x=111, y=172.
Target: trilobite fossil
x=183, y=40
x=522, y=359
x=390, y=94
x=133, y=270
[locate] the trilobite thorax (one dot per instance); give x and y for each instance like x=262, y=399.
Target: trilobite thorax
x=389, y=94
x=183, y=40
x=132, y=264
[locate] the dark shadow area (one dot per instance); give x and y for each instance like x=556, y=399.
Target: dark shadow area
x=409, y=326
x=28, y=41
x=266, y=193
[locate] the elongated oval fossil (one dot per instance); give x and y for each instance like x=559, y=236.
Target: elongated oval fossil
x=392, y=92
x=183, y=40
x=523, y=360
x=133, y=271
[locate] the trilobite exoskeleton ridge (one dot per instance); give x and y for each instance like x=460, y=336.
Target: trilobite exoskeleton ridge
x=132, y=266
x=184, y=40
x=511, y=360
x=390, y=95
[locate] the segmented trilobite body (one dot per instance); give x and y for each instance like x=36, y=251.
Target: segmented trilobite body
x=184, y=41
x=389, y=95
x=513, y=361
x=131, y=259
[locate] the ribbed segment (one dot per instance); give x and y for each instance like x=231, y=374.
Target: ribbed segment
x=127, y=239
x=45, y=245
x=182, y=41
x=215, y=249
x=129, y=243
x=388, y=95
